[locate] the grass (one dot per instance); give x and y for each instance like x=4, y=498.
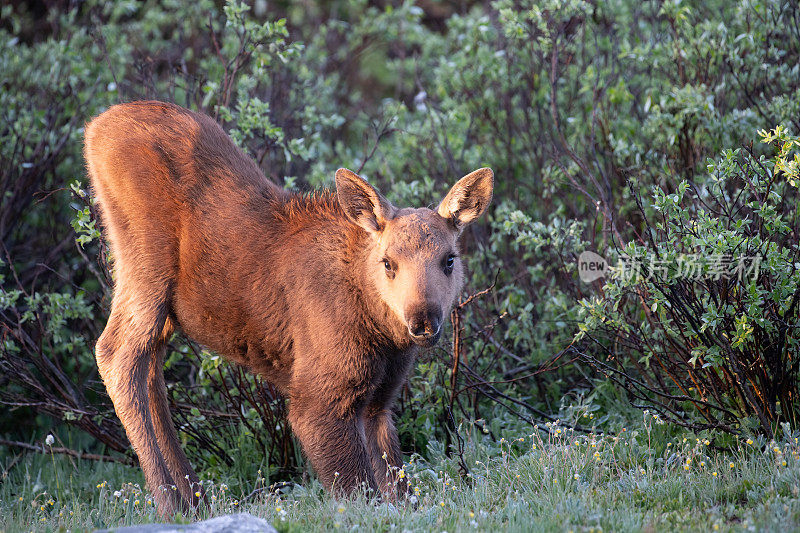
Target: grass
x=645, y=478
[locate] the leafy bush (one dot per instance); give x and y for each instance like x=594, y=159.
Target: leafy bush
x=48, y=299
x=700, y=318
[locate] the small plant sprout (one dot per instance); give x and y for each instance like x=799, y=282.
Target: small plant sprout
x=49, y=440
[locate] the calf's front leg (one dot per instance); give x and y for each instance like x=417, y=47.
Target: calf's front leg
x=383, y=444
x=334, y=444
x=384, y=451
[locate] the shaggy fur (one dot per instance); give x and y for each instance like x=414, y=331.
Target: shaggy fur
x=328, y=297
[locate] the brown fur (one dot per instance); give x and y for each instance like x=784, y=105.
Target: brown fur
x=292, y=287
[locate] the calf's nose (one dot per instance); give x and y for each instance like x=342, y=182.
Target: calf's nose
x=425, y=323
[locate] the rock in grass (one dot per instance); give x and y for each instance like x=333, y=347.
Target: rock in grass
x=233, y=523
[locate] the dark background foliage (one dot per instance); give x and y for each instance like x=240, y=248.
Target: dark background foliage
x=627, y=128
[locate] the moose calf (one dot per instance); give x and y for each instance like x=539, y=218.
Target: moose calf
x=327, y=296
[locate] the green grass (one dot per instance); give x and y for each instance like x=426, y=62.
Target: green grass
x=639, y=479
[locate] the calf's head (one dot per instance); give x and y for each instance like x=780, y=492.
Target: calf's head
x=414, y=263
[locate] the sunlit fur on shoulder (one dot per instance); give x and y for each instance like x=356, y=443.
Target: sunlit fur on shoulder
x=303, y=209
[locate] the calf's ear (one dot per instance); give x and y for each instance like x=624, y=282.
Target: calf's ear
x=468, y=199
x=361, y=202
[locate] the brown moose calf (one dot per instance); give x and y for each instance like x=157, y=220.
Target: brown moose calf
x=326, y=296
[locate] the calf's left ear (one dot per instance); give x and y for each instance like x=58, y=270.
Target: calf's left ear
x=469, y=198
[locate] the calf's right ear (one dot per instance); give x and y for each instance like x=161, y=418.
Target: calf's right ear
x=361, y=202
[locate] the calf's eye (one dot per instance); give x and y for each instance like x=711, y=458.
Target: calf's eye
x=389, y=269
x=448, y=264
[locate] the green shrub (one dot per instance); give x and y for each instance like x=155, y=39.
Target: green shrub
x=700, y=318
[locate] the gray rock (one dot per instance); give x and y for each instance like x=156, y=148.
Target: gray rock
x=233, y=523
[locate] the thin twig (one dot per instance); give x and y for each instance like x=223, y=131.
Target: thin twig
x=68, y=451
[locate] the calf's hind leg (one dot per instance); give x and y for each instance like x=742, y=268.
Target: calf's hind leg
x=178, y=465
x=124, y=354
